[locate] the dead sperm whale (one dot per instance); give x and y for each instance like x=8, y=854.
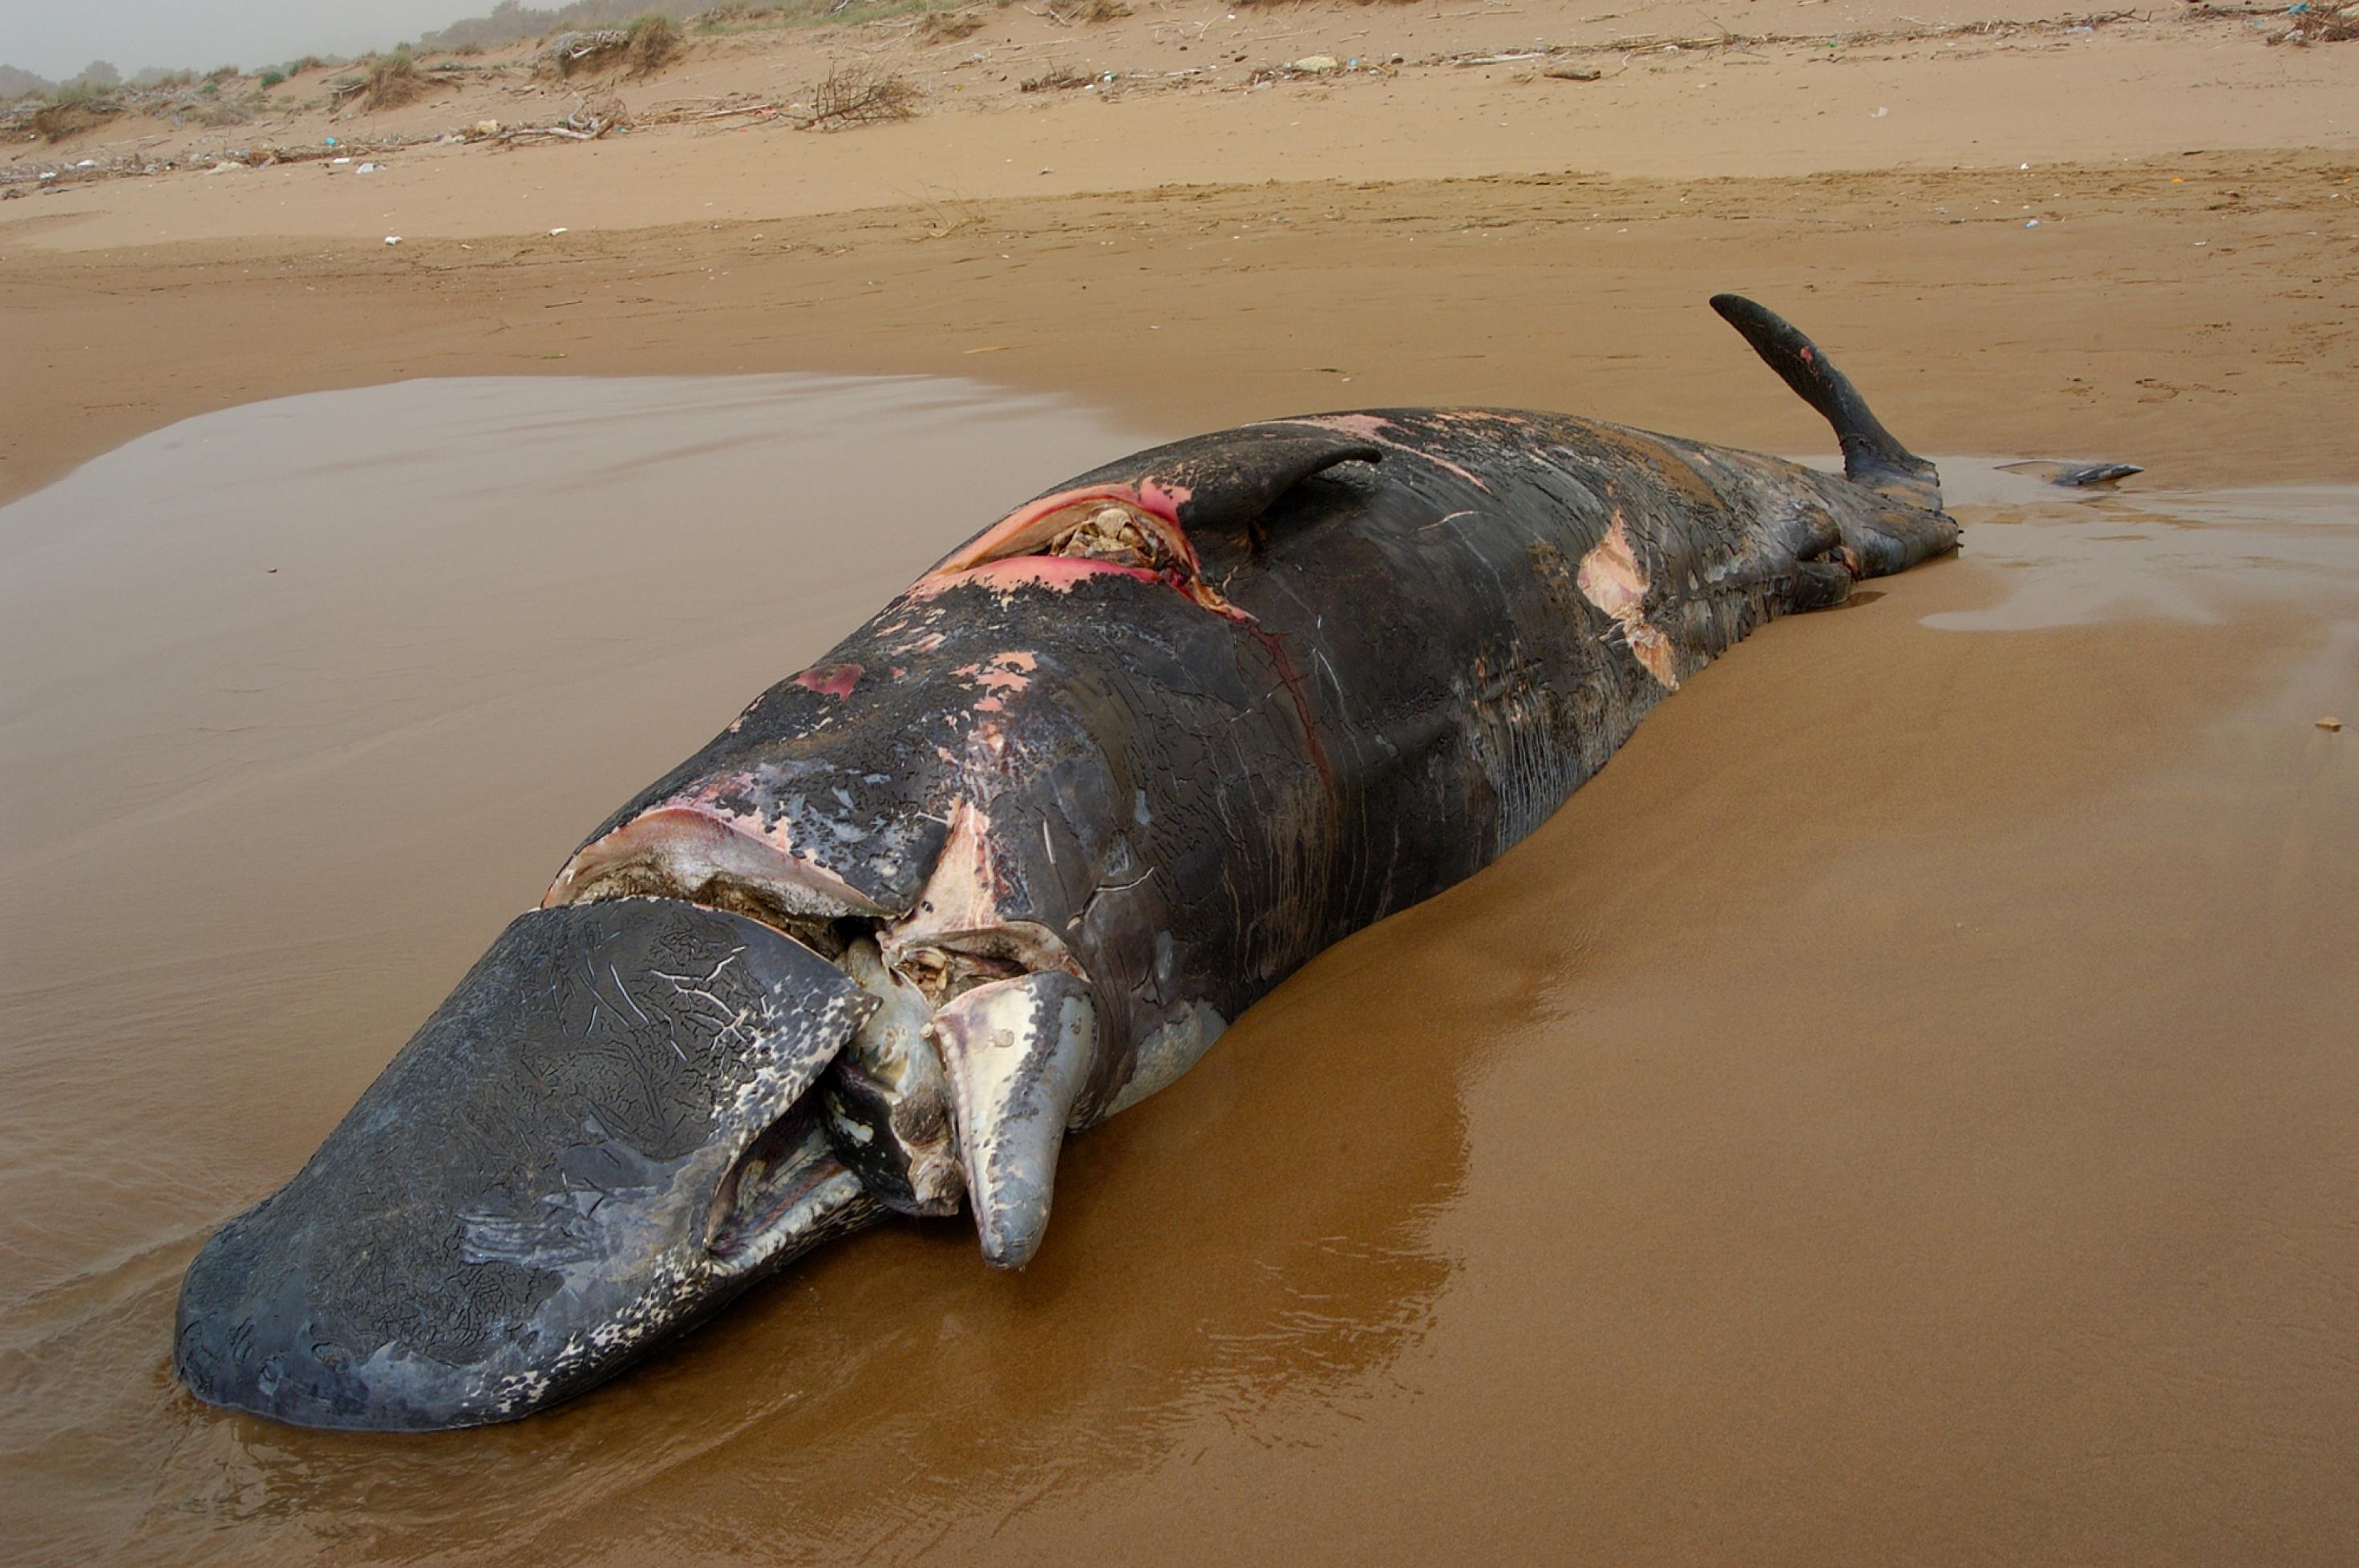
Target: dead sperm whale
x=1004, y=863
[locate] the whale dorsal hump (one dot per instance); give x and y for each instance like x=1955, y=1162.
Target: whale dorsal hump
x=1233, y=477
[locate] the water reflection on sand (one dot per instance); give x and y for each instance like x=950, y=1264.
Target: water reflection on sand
x=1904, y=1106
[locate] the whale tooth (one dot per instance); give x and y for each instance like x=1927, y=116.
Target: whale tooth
x=1016, y=1053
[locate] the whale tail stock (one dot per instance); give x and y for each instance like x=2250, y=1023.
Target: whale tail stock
x=1873, y=457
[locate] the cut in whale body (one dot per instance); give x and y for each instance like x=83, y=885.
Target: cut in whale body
x=1004, y=865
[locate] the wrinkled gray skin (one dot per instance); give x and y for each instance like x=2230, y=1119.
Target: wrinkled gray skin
x=1004, y=864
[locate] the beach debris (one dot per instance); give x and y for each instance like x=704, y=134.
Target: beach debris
x=558, y=229
x=857, y=95
x=2318, y=24
x=2330, y=723
x=571, y=52
x=1317, y=64
x=393, y=239
x=2071, y=475
x=1573, y=73
x=592, y=118
x=640, y=50
x=367, y=168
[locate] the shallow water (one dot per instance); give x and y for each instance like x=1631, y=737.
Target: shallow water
x=1906, y=1107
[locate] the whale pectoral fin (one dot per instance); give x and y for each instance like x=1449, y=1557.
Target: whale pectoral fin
x=1820, y=585
x=1234, y=477
x=1016, y=1053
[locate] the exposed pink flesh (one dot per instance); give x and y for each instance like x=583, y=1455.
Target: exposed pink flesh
x=1007, y=536
x=830, y=680
x=691, y=841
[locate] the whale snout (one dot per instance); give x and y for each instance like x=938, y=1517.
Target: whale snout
x=603, y=1133
x=259, y=1331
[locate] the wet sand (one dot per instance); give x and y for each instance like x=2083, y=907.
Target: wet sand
x=1903, y=1107
x=1903, y=1110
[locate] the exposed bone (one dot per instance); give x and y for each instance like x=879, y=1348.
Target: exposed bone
x=1112, y=531
x=957, y=935
x=887, y=1103
x=1016, y=1053
x=1100, y=527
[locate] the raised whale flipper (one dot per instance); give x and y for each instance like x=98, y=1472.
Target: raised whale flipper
x=1871, y=456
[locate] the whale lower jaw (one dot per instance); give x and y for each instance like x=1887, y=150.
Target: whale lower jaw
x=961, y=1083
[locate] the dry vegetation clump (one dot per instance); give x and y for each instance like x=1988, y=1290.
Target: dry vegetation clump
x=949, y=26
x=573, y=52
x=2319, y=24
x=859, y=95
x=1087, y=12
x=1059, y=80
x=391, y=81
x=736, y=17
x=72, y=114
x=651, y=42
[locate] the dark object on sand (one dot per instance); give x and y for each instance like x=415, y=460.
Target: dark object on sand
x=1004, y=863
x=2073, y=476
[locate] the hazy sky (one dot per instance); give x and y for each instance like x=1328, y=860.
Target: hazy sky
x=57, y=37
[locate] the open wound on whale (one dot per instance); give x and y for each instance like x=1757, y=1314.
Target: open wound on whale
x=960, y=1080
x=1612, y=579
x=1141, y=529
x=1128, y=530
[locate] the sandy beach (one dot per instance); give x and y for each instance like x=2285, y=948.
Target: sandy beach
x=1903, y=1110
x=1238, y=245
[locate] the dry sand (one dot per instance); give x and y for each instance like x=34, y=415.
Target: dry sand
x=1210, y=249
x=1902, y=1110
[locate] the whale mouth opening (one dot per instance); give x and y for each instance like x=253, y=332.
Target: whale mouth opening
x=691, y=852
x=787, y=1192
x=796, y=1181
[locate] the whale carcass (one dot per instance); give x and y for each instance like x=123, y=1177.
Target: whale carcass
x=1006, y=862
